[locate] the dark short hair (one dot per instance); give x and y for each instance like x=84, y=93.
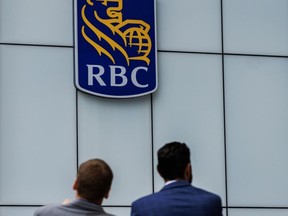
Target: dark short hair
x=94, y=179
x=172, y=160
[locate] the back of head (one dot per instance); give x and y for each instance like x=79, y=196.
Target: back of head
x=94, y=179
x=172, y=160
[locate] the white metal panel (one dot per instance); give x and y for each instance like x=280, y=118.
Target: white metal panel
x=256, y=26
x=189, y=25
x=257, y=125
x=118, y=131
x=36, y=22
x=16, y=211
x=188, y=107
x=258, y=212
x=37, y=127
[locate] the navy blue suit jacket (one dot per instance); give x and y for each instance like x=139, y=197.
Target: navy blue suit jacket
x=178, y=199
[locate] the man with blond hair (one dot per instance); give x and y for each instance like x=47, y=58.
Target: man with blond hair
x=92, y=185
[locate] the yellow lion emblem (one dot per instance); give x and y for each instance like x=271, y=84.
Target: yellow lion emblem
x=133, y=41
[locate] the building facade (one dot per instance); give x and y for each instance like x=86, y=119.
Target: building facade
x=223, y=84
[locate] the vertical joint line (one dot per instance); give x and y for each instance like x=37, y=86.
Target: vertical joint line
x=224, y=107
x=152, y=143
x=76, y=91
x=77, y=133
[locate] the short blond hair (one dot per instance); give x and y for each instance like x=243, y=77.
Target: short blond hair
x=94, y=179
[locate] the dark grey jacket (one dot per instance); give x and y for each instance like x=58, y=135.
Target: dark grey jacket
x=78, y=207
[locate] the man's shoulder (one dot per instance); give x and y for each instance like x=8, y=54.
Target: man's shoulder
x=178, y=201
x=188, y=192
x=47, y=210
x=187, y=189
x=204, y=192
x=144, y=198
x=69, y=209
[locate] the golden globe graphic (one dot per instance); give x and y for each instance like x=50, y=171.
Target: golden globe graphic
x=116, y=48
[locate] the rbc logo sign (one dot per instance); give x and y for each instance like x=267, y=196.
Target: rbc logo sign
x=115, y=50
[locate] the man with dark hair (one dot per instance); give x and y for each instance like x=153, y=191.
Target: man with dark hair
x=178, y=197
x=92, y=185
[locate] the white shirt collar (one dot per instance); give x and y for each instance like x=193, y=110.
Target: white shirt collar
x=169, y=182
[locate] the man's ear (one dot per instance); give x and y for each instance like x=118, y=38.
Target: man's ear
x=106, y=195
x=165, y=180
x=188, y=173
x=75, y=185
x=158, y=170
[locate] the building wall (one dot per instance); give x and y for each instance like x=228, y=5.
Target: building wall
x=223, y=83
